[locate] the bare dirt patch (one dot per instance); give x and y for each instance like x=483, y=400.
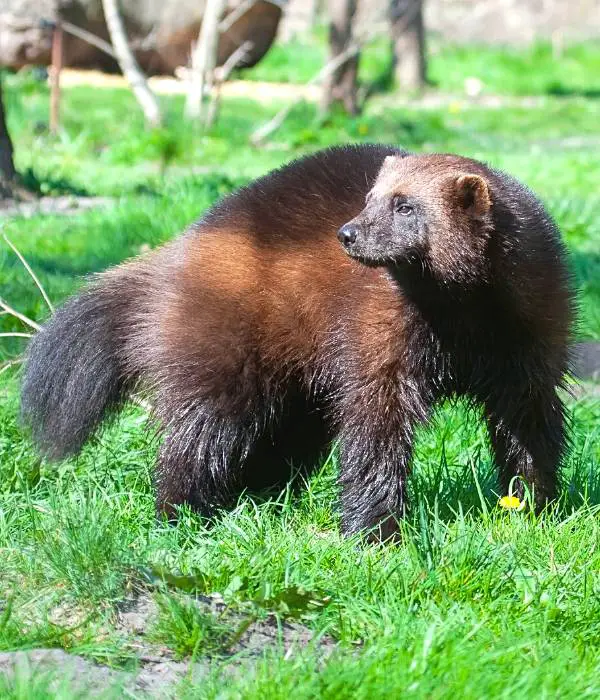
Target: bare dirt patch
x=65, y=205
x=270, y=92
x=137, y=615
x=159, y=673
x=64, y=668
x=167, y=85
x=586, y=360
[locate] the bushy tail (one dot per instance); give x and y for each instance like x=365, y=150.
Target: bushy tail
x=73, y=375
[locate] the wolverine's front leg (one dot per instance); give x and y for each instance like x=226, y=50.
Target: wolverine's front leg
x=376, y=449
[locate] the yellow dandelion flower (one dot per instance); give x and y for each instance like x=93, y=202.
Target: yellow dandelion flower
x=363, y=129
x=509, y=502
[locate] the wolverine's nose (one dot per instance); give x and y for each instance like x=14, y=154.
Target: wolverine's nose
x=347, y=234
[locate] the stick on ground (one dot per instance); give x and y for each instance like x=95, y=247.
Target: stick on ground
x=32, y=274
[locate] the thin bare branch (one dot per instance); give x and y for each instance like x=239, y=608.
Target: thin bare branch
x=221, y=75
x=90, y=38
x=13, y=312
x=11, y=363
x=233, y=16
x=30, y=271
x=260, y=134
x=55, y=71
x=129, y=66
x=204, y=59
x=16, y=335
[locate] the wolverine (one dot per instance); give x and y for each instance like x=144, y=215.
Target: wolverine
x=335, y=299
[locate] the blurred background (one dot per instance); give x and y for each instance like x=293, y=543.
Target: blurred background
x=123, y=121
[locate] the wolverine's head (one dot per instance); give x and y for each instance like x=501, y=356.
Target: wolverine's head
x=431, y=210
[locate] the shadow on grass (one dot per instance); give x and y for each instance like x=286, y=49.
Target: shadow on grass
x=450, y=493
x=445, y=488
x=560, y=90
x=50, y=186
x=450, y=490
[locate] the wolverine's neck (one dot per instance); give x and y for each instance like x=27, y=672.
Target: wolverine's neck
x=418, y=283
x=448, y=307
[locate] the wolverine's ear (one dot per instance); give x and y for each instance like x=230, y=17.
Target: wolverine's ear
x=473, y=194
x=388, y=163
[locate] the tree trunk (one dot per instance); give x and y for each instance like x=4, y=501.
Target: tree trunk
x=204, y=58
x=7, y=166
x=341, y=85
x=129, y=66
x=408, y=36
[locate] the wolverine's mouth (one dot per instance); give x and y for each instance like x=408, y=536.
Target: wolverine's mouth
x=409, y=259
x=368, y=261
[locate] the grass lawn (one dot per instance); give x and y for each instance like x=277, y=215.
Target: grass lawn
x=530, y=70
x=475, y=602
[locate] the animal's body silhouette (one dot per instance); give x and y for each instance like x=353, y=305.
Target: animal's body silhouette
x=261, y=337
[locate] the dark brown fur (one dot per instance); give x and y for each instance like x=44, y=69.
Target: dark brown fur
x=261, y=339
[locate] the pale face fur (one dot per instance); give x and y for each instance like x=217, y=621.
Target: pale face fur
x=431, y=211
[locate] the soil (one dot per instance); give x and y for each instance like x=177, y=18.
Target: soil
x=65, y=205
x=273, y=92
x=586, y=360
x=159, y=673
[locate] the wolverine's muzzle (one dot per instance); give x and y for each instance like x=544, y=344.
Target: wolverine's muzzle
x=347, y=234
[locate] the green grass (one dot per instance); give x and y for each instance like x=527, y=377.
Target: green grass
x=551, y=146
x=31, y=685
x=475, y=601
x=505, y=70
x=189, y=631
x=531, y=70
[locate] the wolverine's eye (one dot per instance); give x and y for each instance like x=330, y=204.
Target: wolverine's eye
x=402, y=208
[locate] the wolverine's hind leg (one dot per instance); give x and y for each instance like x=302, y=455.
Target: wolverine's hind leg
x=208, y=457
x=200, y=463
x=202, y=457
x=295, y=442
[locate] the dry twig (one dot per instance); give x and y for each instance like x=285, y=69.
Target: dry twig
x=233, y=16
x=129, y=66
x=32, y=274
x=11, y=363
x=6, y=308
x=90, y=38
x=221, y=75
x=13, y=312
x=204, y=59
x=260, y=134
